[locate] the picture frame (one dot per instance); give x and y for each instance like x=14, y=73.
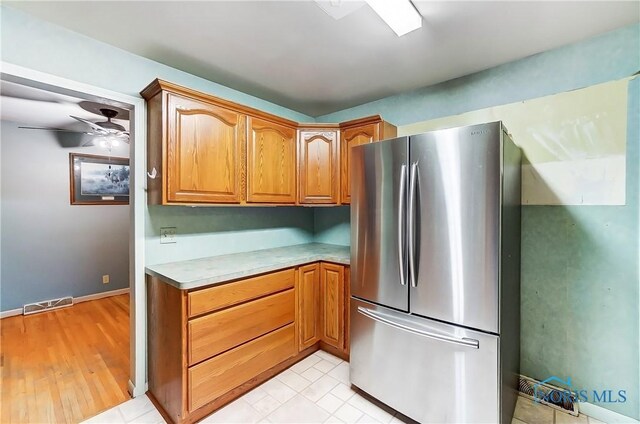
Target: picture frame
x=98, y=180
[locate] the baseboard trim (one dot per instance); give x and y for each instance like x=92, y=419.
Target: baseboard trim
x=18, y=311
x=604, y=415
x=102, y=295
x=133, y=390
x=10, y=313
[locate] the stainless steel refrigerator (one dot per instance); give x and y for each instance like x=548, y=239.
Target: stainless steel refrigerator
x=435, y=283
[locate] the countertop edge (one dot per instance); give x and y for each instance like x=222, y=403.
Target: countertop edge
x=223, y=278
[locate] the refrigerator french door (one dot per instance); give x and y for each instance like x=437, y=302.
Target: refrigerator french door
x=435, y=273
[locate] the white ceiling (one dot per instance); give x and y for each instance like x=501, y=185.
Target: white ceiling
x=294, y=54
x=35, y=107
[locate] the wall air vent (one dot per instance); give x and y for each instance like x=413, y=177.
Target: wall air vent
x=47, y=305
x=556, y=397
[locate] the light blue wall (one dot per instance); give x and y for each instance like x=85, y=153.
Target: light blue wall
x=332, y=225
x=604, y=58
x=39, y=45
x=46, y=47
x=220, y=230
x=51, y=249
x=580, y=278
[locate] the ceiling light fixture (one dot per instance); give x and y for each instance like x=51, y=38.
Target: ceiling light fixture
x=400, y=15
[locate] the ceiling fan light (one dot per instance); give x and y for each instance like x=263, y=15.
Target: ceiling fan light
x=400, y=15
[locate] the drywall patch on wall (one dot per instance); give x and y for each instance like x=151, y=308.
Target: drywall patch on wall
x=574, y=143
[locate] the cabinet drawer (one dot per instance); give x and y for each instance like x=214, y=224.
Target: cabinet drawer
x=215, y=377
x=214, y=333
x=230, y=294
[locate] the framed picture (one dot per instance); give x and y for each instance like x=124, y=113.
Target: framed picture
x=98, y=180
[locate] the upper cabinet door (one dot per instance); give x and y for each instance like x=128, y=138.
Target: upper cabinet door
x=354, y=136
x=319, y=174
x=203, y=152
x=271, y=163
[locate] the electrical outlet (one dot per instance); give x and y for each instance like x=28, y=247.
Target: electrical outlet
x=105, y=279
x=167, y=235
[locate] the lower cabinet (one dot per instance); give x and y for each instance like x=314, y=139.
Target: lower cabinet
x=322, y=316
x=209, y=345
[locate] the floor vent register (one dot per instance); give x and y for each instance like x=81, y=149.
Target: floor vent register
x=556, y=397
x=47, y=305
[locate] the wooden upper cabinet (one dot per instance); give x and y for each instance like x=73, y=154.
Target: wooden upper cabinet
x=206, y=150
x=355, y=133
x=332, y=304
x=203, y=152
x=308, y=312
x=318, y=167
x=271, y=162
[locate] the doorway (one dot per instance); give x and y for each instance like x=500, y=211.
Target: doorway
x=110, y=308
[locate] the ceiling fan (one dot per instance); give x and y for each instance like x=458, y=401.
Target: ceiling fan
x=109, y=133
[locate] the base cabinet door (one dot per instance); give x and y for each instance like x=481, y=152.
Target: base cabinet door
x=332, y=304
x=308, y=306
x=347, y=311
x=271, y=163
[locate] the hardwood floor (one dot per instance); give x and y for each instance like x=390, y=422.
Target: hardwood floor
x=65, y=365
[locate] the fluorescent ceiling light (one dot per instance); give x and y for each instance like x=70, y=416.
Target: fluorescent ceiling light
x=400, y=15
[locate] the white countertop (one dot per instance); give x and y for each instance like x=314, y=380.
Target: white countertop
x=201, y=272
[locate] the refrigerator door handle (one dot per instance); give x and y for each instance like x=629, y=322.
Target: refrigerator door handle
x=401, y=233
x=413, y=187
x=389, y=320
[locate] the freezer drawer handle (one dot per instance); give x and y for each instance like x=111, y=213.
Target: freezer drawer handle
x=385, y=319
x=401, y=204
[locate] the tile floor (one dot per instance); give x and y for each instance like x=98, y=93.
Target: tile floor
x=315, y=390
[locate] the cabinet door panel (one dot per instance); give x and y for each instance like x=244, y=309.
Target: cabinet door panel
x=319, y=170
x=271, y=163
x=354, y=137
x=332, y=294
x=308, y=306
x=203, y=152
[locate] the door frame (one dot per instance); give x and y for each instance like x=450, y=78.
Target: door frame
x=137, y=383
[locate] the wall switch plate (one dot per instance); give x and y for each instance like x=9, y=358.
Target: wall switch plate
x=105, y=279
x=167, y=235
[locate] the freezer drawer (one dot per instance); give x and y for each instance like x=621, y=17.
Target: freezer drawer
x=430, y=371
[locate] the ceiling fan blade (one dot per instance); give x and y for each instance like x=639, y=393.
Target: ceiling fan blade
x=53, y=129
x=96, y=128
